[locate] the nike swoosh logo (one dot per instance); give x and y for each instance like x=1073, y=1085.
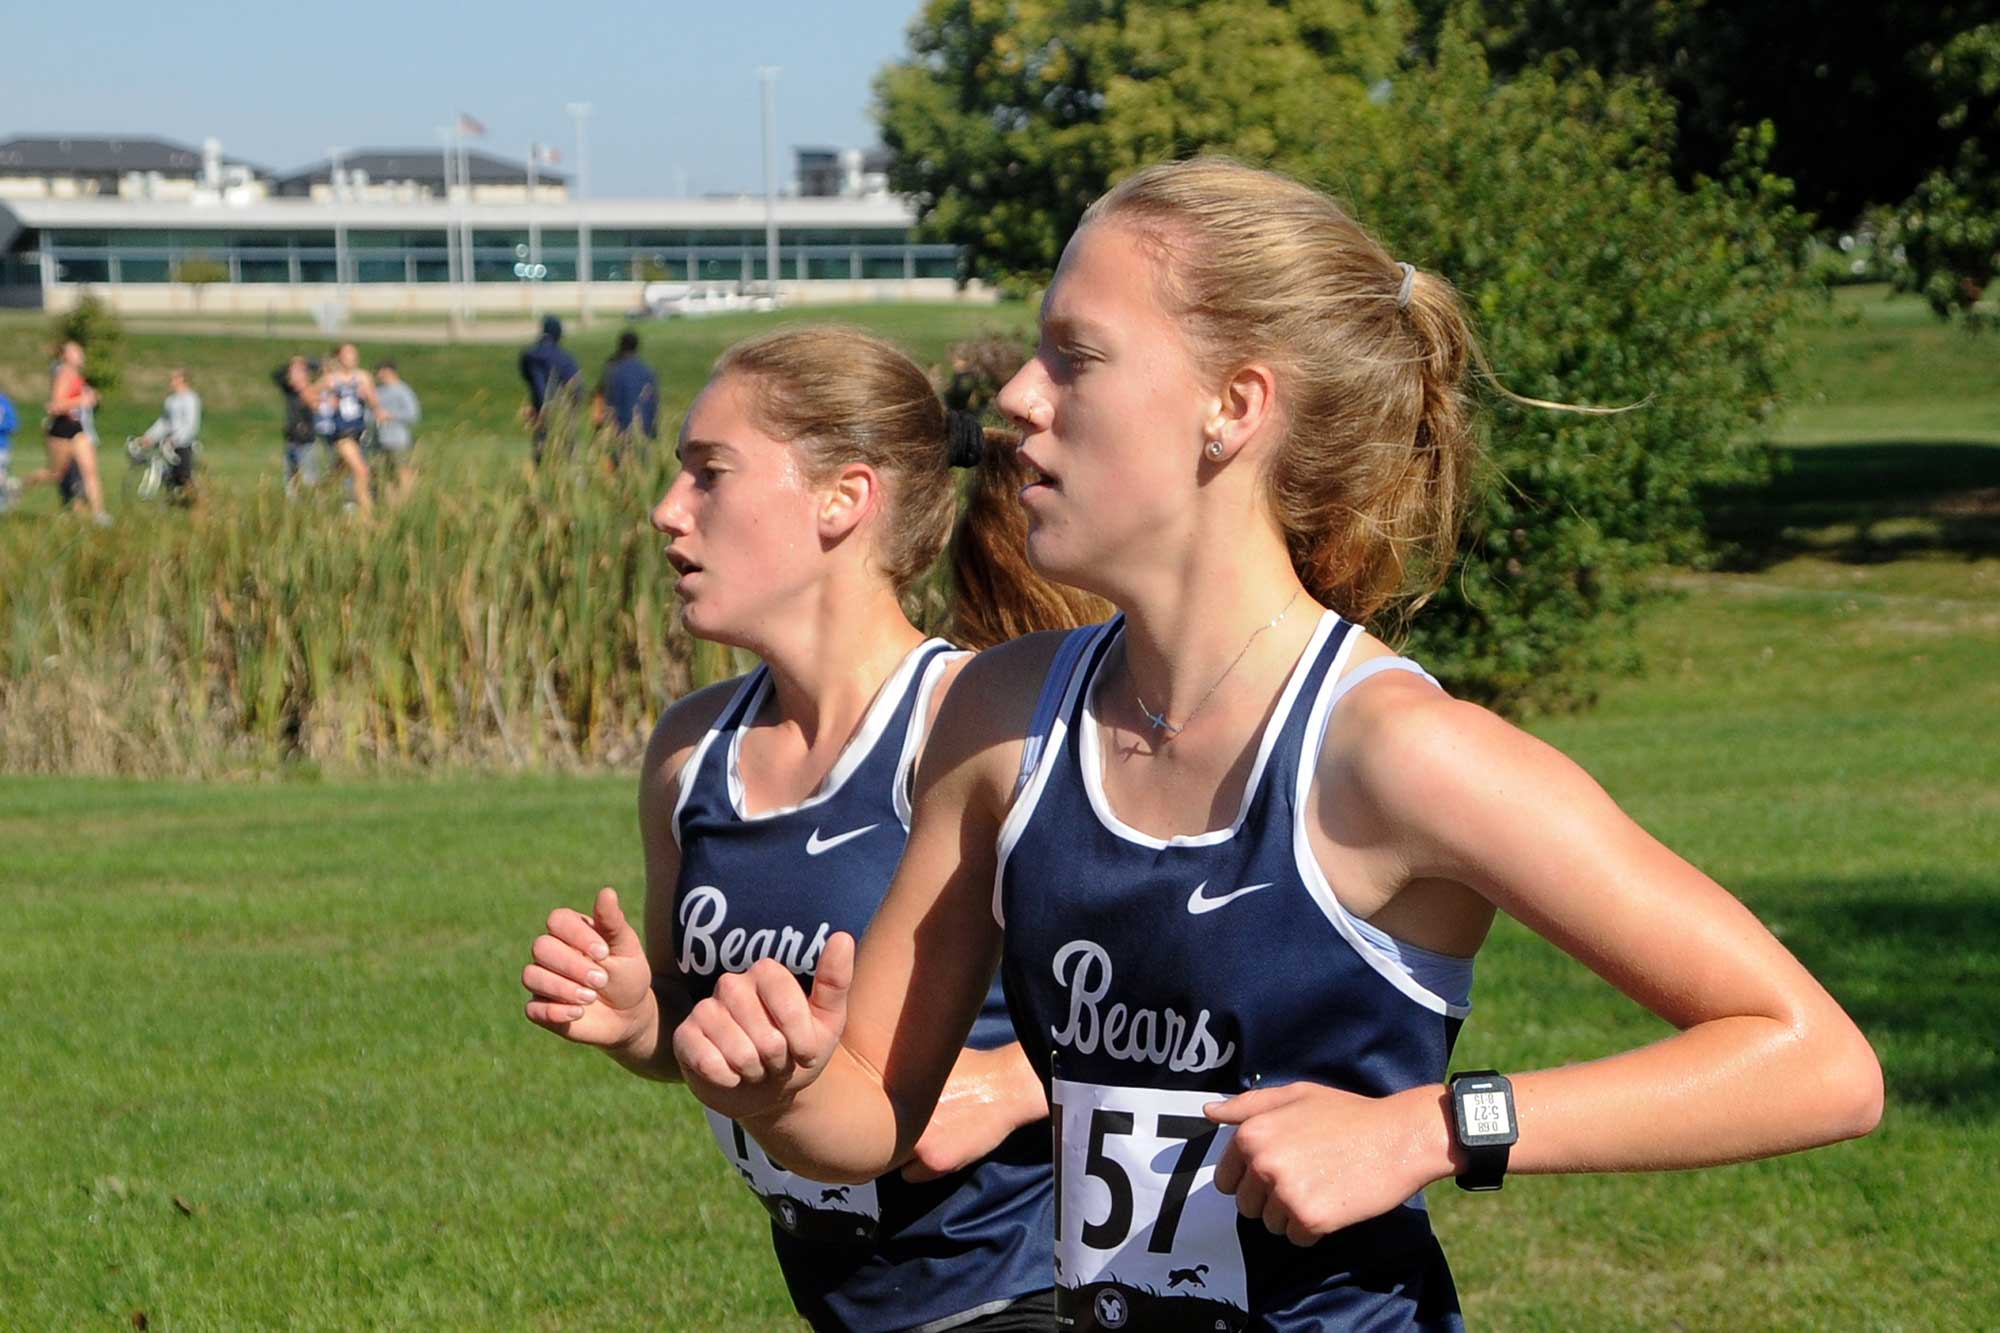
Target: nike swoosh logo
x=1198, y=904
x=816, y=844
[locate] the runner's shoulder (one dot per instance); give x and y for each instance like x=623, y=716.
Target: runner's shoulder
x=680, y=729
x=985, y=718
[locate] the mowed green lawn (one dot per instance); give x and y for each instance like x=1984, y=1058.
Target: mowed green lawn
x=269, y=1065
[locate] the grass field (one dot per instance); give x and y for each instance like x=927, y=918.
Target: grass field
x=271, y=1070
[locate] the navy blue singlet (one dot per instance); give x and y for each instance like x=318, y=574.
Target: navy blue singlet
x=347, y=408
x=887, y=1254
x=1152, y=976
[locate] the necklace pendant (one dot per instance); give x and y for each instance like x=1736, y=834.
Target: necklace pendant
x=1160, y=723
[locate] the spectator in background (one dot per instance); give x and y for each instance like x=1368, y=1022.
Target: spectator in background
x=177, y=431
x=10, y=421
x=553, y=379
x=396, y=410
x=293, y=379
x=628, y=398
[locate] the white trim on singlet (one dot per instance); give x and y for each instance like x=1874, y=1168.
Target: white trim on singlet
x=1093, y=753
x=1351, y=928
x=685, y=780
x=913, y=735
x=1049, y=704
x=873, y=723
x=1374, y=666
x=1041, y=749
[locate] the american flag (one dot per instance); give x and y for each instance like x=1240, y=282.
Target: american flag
x=471, y=125
x=546, y=156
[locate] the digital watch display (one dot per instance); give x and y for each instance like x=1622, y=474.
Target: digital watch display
x=1482, y=1114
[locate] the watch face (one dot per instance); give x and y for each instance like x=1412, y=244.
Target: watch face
x=1485, y=1116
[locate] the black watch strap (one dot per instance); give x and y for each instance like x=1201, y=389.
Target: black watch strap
x=1485, y=1168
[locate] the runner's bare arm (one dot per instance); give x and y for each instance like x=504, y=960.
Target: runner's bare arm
x=592, y=979
x=991, y=1093
x=1765, y=1061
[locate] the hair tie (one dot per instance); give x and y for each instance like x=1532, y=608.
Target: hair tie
x=965, y=438
x=1409, y=283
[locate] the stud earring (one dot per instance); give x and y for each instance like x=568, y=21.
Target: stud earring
x=1215, y=449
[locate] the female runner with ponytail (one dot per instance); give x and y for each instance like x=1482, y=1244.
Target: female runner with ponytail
x=1238, y=854
x=817, y=485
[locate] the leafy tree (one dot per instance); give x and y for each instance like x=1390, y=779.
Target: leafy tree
x=199, y=272
x=1010, y=116
x=1888, y=105
x=1949, y=228
x=1548, y=197
x=1594, y=278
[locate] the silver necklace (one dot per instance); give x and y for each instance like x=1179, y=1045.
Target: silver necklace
x=1159, y=720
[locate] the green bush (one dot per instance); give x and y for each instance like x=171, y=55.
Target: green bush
x=980, y=367
x=1548, y=198
x=200, y=271
x=92, y=323
x=1593, y=279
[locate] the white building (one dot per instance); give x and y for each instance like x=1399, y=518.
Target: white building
x=302, y=253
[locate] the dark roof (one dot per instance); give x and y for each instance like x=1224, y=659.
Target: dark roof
x=420, y=164
x=56, y=155
x=96, y=154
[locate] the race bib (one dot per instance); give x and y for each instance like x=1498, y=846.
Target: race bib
x=809, y=1209
x=1144, y=1240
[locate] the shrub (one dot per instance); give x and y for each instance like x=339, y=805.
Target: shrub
x=980, y=367
x=1593, y=279
x=1549, y=198
x=92, y=323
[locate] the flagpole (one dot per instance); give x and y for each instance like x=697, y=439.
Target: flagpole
x=534, y=239
x=468, y=261
x=337, y=177
x=450, y=241
x=767, y=75
x=580, y=111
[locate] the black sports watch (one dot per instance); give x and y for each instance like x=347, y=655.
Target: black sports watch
x=1482, y=1116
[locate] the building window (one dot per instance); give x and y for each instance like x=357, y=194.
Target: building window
x=264, y=270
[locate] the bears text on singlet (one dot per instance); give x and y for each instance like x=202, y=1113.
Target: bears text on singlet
x=704, y=912
x=1143, y=1036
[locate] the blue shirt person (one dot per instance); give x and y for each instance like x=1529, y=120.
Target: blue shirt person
x=628, y=394
x=10, y=421
x=551, y=375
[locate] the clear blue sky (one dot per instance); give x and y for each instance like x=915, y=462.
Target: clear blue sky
x=673, y=84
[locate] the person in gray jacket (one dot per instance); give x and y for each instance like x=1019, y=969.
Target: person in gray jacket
x=175, y=435
x=396, y=411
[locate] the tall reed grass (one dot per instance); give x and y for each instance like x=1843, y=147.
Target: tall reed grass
x=526, y=621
